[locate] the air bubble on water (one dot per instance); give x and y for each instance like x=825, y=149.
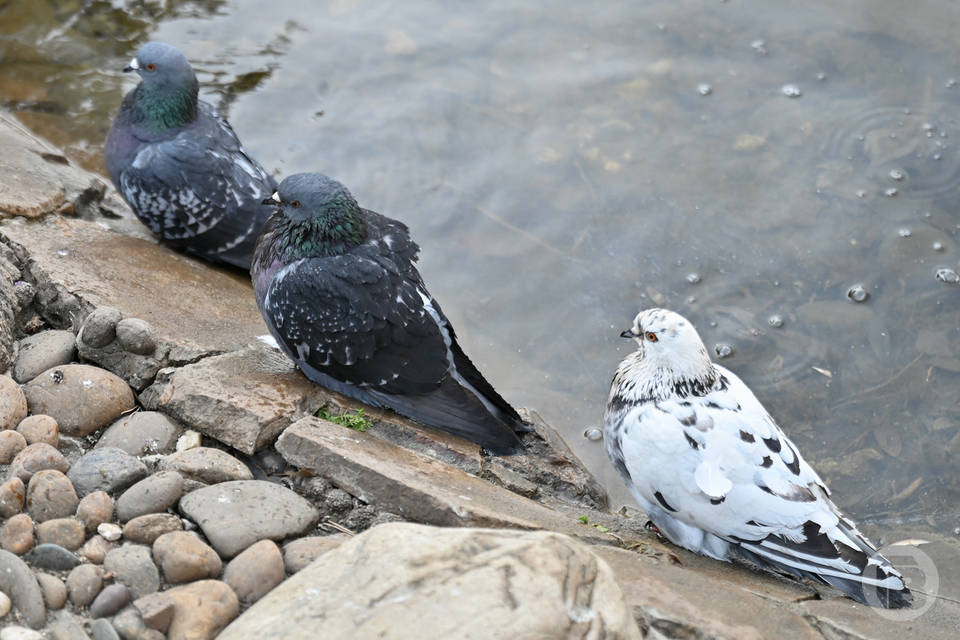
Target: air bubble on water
x=593, y=434
x=775, y=321
x=938, y=246
x=723, y=350
x=704, y=89
x=790, y=90
x=904, y=233
x=63, y=253
x=906, y=111
x=937, y=156
x=712, y=323
x=890, y=192
x=690, y=299
x=857, y=293
x=893, y=136
x=693, y=278
x=950, y=83
x=861, y=138
x=821, y=76
x=756, y=332
x=897, y=174
x=948, y=275
x=861, y=193
x=759, y=46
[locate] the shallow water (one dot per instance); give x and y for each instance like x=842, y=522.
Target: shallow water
x=564, y=164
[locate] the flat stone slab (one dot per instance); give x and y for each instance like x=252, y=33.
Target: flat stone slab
x=415, y=486
x=243, y=399
x=234, y=515
x=411, y=582
x=191, y=305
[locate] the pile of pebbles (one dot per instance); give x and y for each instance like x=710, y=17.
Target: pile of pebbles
x=120, y=523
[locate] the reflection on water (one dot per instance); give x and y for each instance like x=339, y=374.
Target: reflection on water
x=563, y=164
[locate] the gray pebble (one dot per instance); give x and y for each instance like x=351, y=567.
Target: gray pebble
x=50, y=495
x=18, y=582
x=100, y=327
x=84, y=583
x=136, y=336
x=131, y=627
x=133, y=566
x=105, y=469
x=54, y=591
x=52, y=557
x=103, y=630
x=19, y=633
x=67, y=629
x=43, y=351
x=110, y=600
x=143, y=432
x=154, y=494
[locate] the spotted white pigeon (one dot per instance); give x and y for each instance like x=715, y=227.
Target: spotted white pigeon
x=339, y=290
x=180, y=167
x=716, y=475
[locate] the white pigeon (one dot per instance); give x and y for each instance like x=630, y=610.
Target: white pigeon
x=716, y=475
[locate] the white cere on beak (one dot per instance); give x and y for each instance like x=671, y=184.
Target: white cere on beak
x=276, y=196
x=134, y=64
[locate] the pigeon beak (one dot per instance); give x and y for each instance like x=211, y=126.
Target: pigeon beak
x=133, y=66
x=627, y=334
x=274, y=199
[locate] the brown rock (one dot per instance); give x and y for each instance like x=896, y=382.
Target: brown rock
x=256, y=571
x=300, y=552
x=206, y=465
x=80, y=398
x=16, y=535
x=11, y=443
x=37, y=457
x=96, y=548
x=50, y=494
x=420, y=488
x=142, y=433
x=156, y=610
x=244, y=398
x=66, y=532
x=84, y=583
x=94, y=509
x=147, y=528
x=12, y=495
x=54, y=591
x=13, y=403
x=183, y=557
x=201, y=610
x=400, y=577
x=40, y=428
x=43, y=351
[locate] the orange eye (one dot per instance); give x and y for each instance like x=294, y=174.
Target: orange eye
x=151, y=67
x=295, y=204
x=651, y=336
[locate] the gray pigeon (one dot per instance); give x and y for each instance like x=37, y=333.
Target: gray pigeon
x=338, y=289
x=716, y=474
x=180, y=166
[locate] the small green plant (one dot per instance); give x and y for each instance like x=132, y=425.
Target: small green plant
x=596, y=525
x=352, y=418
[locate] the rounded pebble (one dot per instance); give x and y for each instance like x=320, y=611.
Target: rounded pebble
x=183, y=557
x=130, y=626
x=81, y=398
x=298, y=553
x=136, y=336
x=100, y=327
x=154, y=494
x=256, y=571
x=39, y=428
x=202, y=609
x=13, y=403
x=95, y=509
x=5, y=604
x=142, y=433
x=84, y=583
x=858, y=293
x=12, y=496
x=11, y=443
x=106, y=469
x=110, y=600
x=52, y=557
x=96, y=548
x=110, y=532
x=132, y=565
x=206, y=464
x=16, y=534
x=102, y=630
x=43, y=351
x=54, y=591
x=19, y=583
x=19, y=633
x=65, y=532
x=50, y=495
x=37, y=457
x=147, y=528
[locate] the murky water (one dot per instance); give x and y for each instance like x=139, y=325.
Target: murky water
x=564, y=164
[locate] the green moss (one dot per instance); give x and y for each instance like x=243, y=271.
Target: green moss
x=352, y=418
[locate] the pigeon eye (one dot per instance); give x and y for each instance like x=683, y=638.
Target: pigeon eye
x=295, y=204
x=651, y=336
x=151, y=67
